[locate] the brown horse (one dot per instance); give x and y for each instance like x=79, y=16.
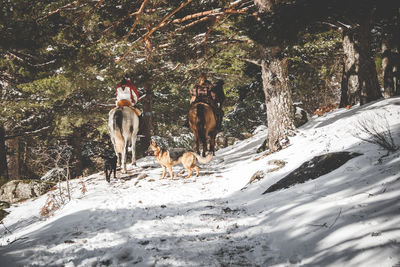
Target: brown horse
x=203, y=125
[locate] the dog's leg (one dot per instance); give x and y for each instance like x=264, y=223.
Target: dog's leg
x=171, y=174
x=107, y=174
x=190, y=172
x=164, y=172
x=197, y=170
x=114, y=169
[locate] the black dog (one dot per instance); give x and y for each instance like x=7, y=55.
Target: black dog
x=110, y=166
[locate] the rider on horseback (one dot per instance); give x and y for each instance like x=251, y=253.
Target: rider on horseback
x=206, y=92
x=127, y=93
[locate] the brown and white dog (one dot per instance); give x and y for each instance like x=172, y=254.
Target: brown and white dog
x=167, y=159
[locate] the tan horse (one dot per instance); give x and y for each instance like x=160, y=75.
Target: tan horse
x=203, y=125
x=123, y=126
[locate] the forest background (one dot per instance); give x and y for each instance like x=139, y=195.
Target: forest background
x=60, y=62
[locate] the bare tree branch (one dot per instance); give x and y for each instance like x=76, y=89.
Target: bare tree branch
x=59, y=10
x=255, y=62
x=151, y=31
x=90, y=12
x=139, y=13
x=28, y=133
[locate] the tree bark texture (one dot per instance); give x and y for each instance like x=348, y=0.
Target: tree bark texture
x=391, y=71
x=3, y=157
x=359, y=77
x=278, y=99
x=13, y=158
x=77, y=159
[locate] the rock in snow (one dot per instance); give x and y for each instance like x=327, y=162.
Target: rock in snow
x=312, y=169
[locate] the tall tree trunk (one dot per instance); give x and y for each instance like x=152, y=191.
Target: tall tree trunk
x=3, y=157
x=77, y=158
x=280, y=116
x=387, y=69
x=370, y=89
x=13, y=158
x=359, y=77
x=278, y=98
x=350, y=80
x=391, y=70
x=147, y=113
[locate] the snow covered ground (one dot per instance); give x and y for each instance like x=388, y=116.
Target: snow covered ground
x=349, y=217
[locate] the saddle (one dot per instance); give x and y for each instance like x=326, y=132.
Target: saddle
x=127, y=103
x=204, y=100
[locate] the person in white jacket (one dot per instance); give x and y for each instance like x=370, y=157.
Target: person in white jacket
x=127, y=93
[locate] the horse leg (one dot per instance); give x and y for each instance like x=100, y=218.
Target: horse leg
x=133, y=147
x=116, y=153
x=204, y=147
x=123, y=161
x=212, y=142
x=197, y=140
x=118, y=159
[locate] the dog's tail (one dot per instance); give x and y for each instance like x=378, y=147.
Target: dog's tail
x=203, y=160
x=117, y=125
x=201, y=123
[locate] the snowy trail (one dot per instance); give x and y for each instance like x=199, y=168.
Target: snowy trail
x=348, y=217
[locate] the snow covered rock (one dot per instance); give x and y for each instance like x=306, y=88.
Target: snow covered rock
x=17, y=190
x=3, y=213
x=312, y=169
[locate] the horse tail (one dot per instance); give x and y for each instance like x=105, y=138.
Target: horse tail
x=201, y=122
x=117, y=125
